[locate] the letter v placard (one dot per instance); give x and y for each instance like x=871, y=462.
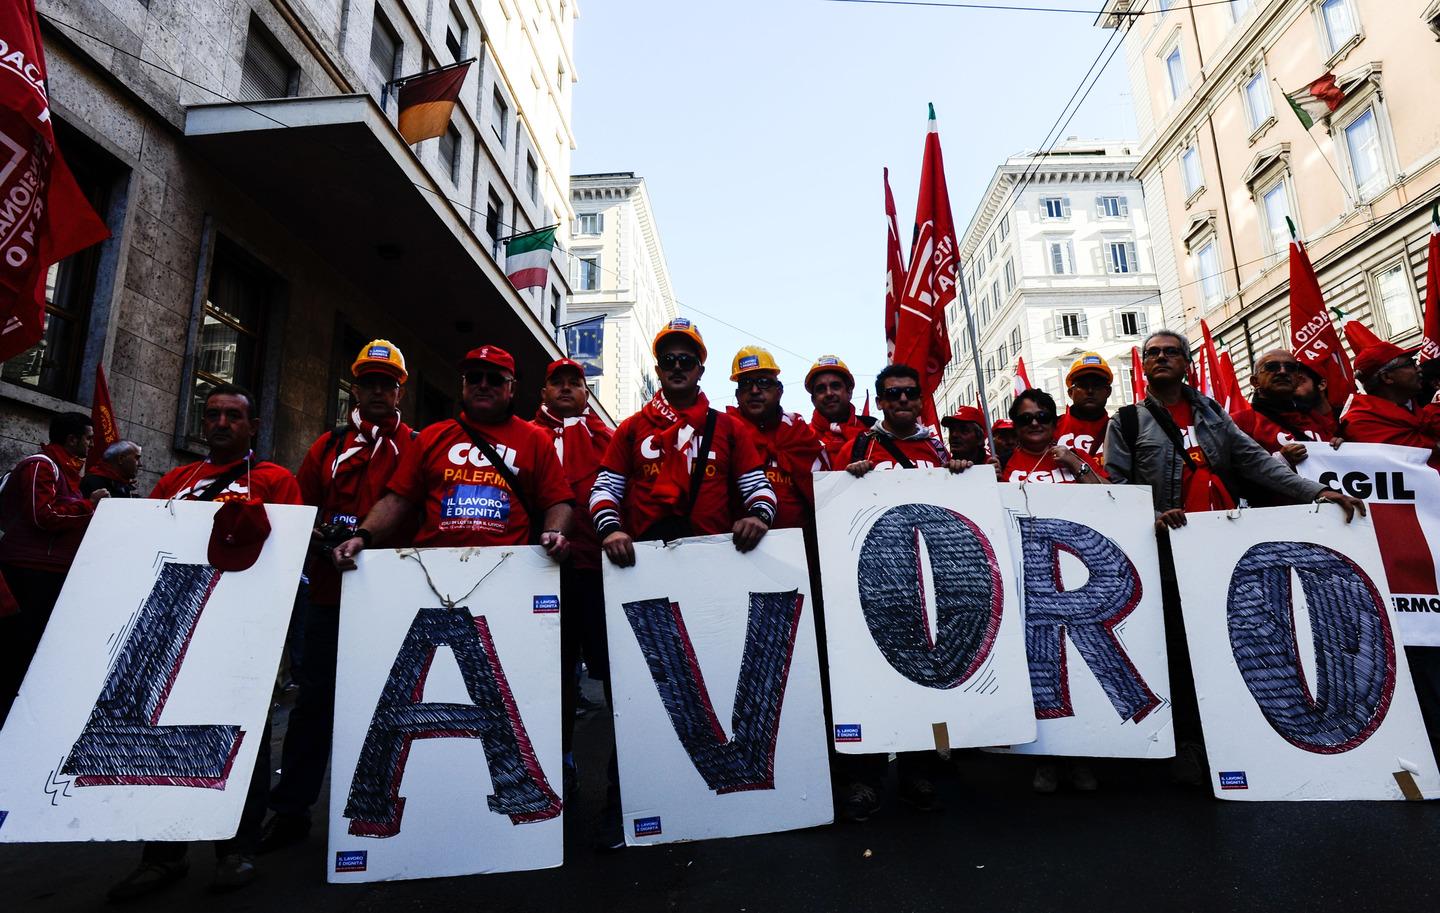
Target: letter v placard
x=719, y=723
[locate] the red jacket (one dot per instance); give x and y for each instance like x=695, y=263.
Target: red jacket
x=1372, y=420
x=43, y=513
x=580, y=442
x=835, y=435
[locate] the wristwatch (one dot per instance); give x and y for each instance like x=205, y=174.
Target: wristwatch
x=364, y=535
x=1083, y=471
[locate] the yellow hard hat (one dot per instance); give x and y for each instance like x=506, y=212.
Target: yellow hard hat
x=829, y=363
x=752, y=358
x=380, y=355
x=680, y=326
x=1089, y=363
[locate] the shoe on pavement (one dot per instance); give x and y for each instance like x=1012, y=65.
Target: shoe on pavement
x=1047, y=779
x=919, y=793
x=860, y=802
x=233, y=872
x=283, y=830
x=147, y=879
x=1083, y=778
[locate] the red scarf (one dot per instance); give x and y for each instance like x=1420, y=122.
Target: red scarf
x=69, y=464
x=350, y=468
x=582, y=440
x=672, y=486
x=792, y=445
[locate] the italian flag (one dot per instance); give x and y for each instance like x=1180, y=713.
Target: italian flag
x=1022, y=380
x=527, y=258
x=1316, y=100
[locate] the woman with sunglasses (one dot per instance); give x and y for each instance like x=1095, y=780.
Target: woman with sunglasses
x=1036, y=457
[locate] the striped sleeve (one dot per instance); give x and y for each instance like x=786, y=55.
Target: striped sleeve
x=758, y=495
x=605, y=500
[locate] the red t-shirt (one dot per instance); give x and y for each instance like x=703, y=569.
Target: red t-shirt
x=923, y=452
x=835, y=435
x=266, y=482
x=790, y=431
x=1084, y=437
x=1200, y=488
x=466, y=501
x=1026, y=468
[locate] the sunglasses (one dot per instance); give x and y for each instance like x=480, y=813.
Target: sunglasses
x=1281, y=367
x=682, y=360
x=1025, y=419
x=1167, y=351
x=759, y=383
x=487, y=379
x=897, y=393
x=377, y=382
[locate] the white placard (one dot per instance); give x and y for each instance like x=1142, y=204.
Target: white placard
x=704, y=751
x=1095, y=637
x=434, y=704
x=922, y=620
x=141, y=714
x=1304, y=691
x=1403, y=491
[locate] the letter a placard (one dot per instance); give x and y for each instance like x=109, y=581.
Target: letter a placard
x=926, y=644
x=144, y=707
x=447, y=758
x=1303, y=686
x=719, y=721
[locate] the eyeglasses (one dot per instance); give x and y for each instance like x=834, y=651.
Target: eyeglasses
x=1167, y=351
x=901, y=393
x=1281, y=367
x=759, y=383
x=1026, y=419
x=682, y=360
x=487, y=379
x=378, y=382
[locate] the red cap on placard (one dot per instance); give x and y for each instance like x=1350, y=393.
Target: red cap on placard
x=237, y=534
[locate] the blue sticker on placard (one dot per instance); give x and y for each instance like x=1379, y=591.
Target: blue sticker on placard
x=351, y=860
x=546, y=604
x=1233, y=779
x=847, y=732
x=647, y=827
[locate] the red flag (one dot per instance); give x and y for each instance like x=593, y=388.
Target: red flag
x=866, y=412
x=1022, y=380
x=51, y=219
x=921, y=338
x=102, y=416
x=894, y=270
x=1312, y=335
x=1137, y=376
x=427, y=100
x=1212, y=379
x=1430, y=339
x=1234, y=403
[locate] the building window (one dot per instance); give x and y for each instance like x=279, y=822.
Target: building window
x=991, y=247
x=494, y=214
x=555, y=308
x=589, y=277
x=1015, y=341
x=1207, y=269
x=1009, y=276
x=589, y=223
x=1112, y=207
x=1132, y=323
x=1338, y=21
x=450, y=153
x=1122, y=257
x=989, y=369
x=532, y=177
x=232, y=325
x=1366, y=155
x=1274, y=210
x=1395, y=294
x=560, y=77
x=266, y=71
x=1190, y=171
x=1002, y=357
x=1175, y=69
x=1004, y=228
x=385, y=50
x=984, y=310
x=1062, y=258
x=499, y=115
x=457, y=36
x=995, y=294
x=1055, y=207
x=1072, y=325
x=1257, y=101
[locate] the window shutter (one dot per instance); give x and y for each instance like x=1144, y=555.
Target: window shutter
x=1070, y=248
x=1124, y=206
x=264, y=73
x=1057, y=259
x=1065, y=206
x=1131, y=258
x=383, y=47
x=1084, y=324
x=1142, y=323
x=1100, y=207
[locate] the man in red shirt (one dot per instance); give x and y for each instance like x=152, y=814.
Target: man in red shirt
x=1278, y=419
x=229, y=473
x=672, y=467
x=966, y=430
x=831, y=387
x=1083, y=426
x=343, y=474
x=483, y=478
x=1387, y=412
x=44, y=517
x=788, y=445
x=1003, y=435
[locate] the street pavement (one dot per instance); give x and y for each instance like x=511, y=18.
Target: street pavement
x=1138, y=844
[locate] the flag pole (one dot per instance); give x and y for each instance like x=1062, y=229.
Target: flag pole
x=528, y=231
x=975, y=354
x=1344, y=188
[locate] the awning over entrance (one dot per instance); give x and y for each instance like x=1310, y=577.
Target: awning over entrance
x=351, y=189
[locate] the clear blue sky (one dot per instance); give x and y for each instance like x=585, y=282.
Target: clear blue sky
x=761, y=129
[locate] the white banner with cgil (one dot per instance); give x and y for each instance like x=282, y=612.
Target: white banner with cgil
x=446, y=758
x=1304, y=692
x=1403, y=491
x=1089, y=574
x=700, y=633
x=142, y=711
x=925, y=640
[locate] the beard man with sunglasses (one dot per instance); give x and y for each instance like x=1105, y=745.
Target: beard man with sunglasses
x=464, y=496
x=788, y=446
x=1278, y=418
x=675, y=467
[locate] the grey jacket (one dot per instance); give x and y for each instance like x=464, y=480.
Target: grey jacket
x=1232, y=455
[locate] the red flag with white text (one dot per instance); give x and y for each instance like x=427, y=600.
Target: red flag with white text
x=102, y=418
x=921, y=338
x=1312, y=335
x=894, y=270
x=1430, y=339
x=47, y=217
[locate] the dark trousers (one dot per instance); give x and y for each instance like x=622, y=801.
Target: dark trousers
x=869, y=769
x=36, y=593
x=1184, y=708
x=1425, y=670
x=252, y=816
x=582, y=634
x=305, y=754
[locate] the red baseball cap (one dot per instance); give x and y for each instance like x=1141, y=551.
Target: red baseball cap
x=1003, y=424
x=237, y=534
x=494, y=356
x=1377, y=356
x=964, y=414
x=559, y=363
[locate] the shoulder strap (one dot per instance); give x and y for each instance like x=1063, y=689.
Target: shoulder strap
x=500, y=466
x=858, y=448
x=895, y=452
x=702, y=460
x=221, y=482
x=1172, y=431
x=334, y=442
x=1129, y=427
